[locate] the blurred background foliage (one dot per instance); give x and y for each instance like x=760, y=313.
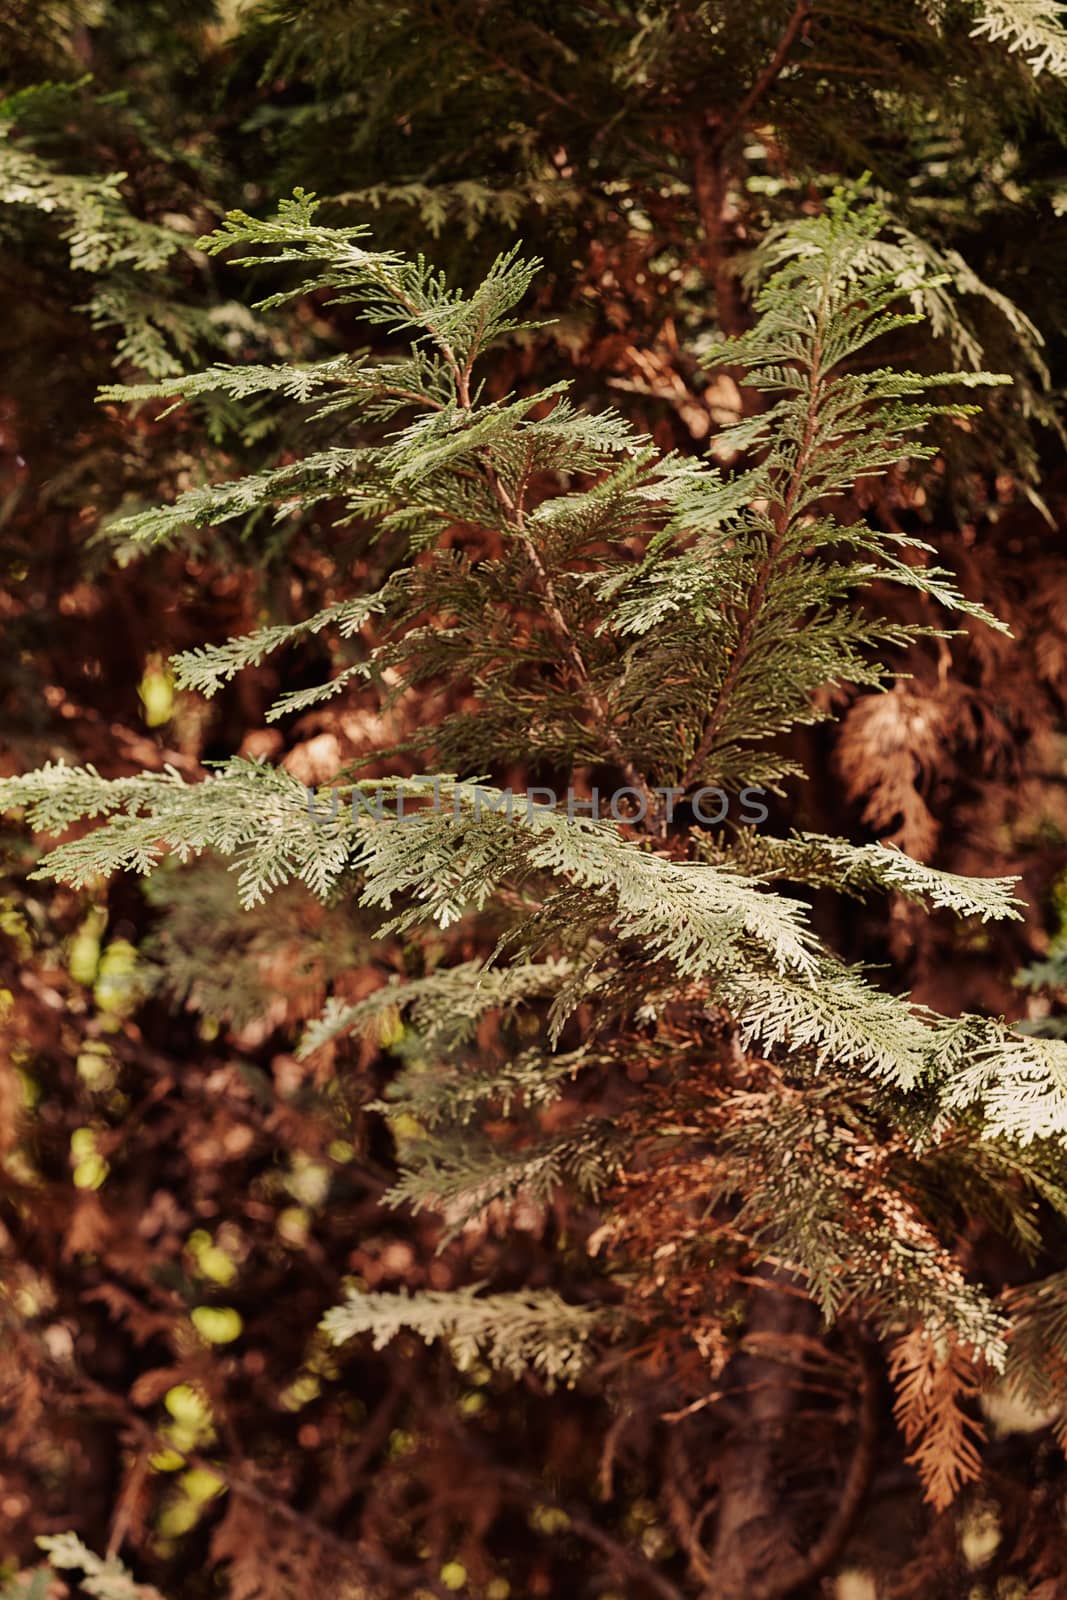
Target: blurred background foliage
x=181, y=1196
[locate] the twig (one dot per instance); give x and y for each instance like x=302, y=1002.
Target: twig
x=782, y=517
x=767, y=77
x=711, y=174
x=127, y=1503
x=653, y=820
x=685, y=1525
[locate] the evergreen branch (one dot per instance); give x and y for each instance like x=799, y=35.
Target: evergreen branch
x=512, y=1332
x=1019, y=1081
x=461, y=1178
x=781, y=516
x=445, y=1007
x=298, y=383
x=208, y=667
x=653, y=817
x=1035, y=28
x=106, y=1578
x=854, y=869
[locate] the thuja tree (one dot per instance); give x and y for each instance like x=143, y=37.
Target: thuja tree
x=644, y=151
x=761, y=1177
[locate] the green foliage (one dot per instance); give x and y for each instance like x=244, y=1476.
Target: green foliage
x=214, y=956
x=613, y=605
x=611, y=1058
x=106, y=1579
x=465, y=460
x=1033, y=27
x=510, y=1331
x=124, y=259
x=856, y=870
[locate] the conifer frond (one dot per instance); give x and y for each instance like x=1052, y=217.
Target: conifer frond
x=758, y=623
x=294, y=382
x=512, y=1332
x=1037, y=29
x=460, y=1176
x=705, y=921
x=302, y=483
x=1019, y=1081
x=819, y=1192
x=469, y=202
x=935, y=1377
x=856, y=870
x=301, y=699
x=123, y=255
x=403, y=294
x=208, y=667
x=106, y=1578
x=1037, y=1352
x=99, y=229
x=836, y=1014
x=455, y=1095
x=443, y=861
x=932, y=280
x=444, y=1008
